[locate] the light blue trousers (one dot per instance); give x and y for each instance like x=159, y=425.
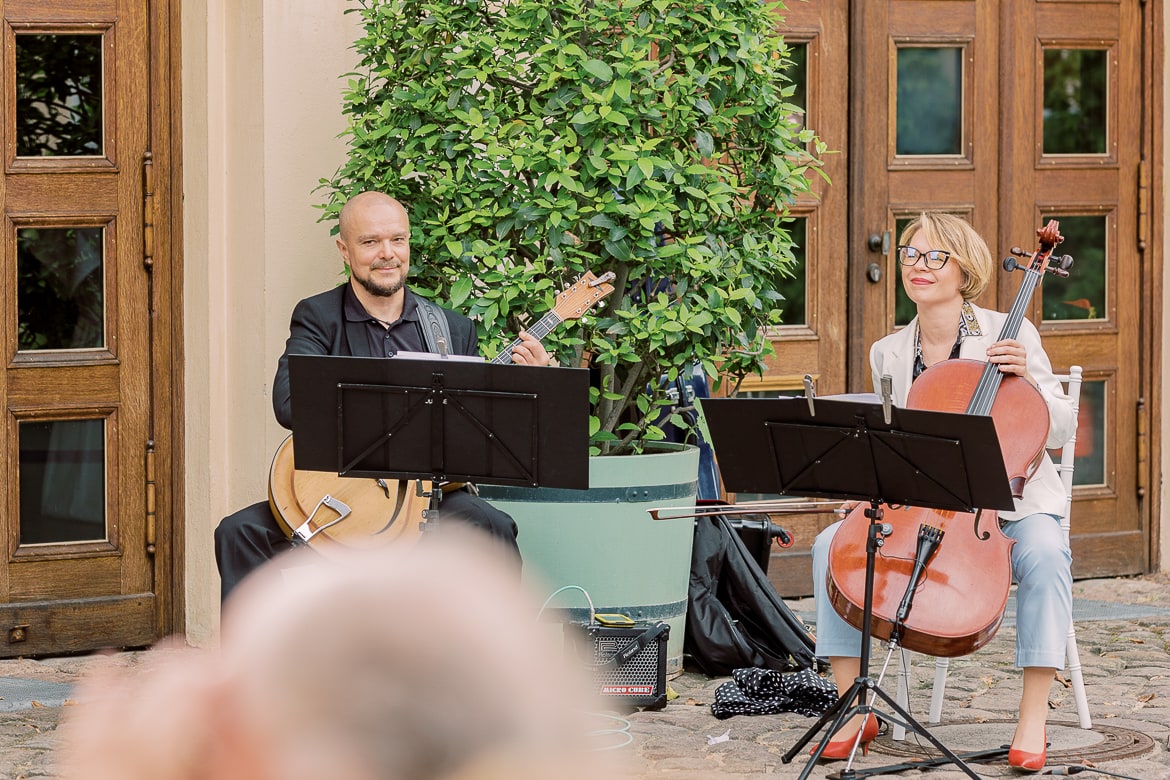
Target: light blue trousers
x=1041, y=565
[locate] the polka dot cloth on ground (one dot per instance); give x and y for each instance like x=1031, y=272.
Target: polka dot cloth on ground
x=767, y=692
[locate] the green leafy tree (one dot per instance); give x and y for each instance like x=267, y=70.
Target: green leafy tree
x=535, y=140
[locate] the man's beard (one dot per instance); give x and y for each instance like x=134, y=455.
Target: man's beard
x=380, y=290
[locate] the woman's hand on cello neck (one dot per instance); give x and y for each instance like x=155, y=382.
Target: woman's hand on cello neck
x=1012, y=358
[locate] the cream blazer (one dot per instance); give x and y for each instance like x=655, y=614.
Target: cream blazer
x=894, y=355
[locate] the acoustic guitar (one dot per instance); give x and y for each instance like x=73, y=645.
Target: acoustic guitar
x=332, y=513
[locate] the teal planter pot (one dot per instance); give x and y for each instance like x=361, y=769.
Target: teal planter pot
x=604, y=540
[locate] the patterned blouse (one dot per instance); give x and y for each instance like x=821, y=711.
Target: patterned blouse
x=968, y=326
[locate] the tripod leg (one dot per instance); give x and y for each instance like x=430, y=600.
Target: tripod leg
x=841, y=711
x=930, y=763
x=913, y=725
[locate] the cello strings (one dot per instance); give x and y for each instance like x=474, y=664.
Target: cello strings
x=989, y=382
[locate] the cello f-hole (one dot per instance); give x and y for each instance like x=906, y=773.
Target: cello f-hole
x=982, y=536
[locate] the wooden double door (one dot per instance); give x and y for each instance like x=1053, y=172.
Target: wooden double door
x=1009, y=114
x=87, y=319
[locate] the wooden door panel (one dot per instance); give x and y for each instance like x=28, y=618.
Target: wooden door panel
x=53, y=579
x=72, y=625
x=812, y=343
x=28, y=388
x=1001, y=178
x=77, y=387
x=890, y=184
x=62, y=11
x=808, y=344
x=36, y=195
x=1087, y=169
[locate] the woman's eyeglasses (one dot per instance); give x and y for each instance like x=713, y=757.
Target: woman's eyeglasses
x=934, y=258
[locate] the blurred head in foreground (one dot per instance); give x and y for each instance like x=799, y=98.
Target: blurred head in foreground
x=417, y=662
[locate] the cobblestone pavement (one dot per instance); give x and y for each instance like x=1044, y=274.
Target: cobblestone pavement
x=1123, y=628
x=1125, y=652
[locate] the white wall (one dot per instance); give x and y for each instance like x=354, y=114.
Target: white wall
x=261, y=118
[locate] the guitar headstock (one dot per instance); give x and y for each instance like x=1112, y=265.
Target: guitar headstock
x=583, y=294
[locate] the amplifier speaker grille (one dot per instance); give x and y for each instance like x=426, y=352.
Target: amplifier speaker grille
x=626, y=664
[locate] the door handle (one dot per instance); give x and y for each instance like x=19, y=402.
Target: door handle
x=880, y=243
x=877, y=243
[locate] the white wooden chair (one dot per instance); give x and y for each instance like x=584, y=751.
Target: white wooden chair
x=1072, y=382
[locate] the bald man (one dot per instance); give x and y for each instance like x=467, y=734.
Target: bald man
x=456, y=681
x=374, y=315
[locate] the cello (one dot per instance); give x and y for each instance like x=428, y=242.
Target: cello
x=953, y=567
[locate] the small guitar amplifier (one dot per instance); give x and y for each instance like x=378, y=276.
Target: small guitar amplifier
x=625, y=660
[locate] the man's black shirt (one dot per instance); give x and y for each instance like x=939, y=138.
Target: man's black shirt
x=385, y=339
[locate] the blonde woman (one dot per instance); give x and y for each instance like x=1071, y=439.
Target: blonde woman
x=945, y=265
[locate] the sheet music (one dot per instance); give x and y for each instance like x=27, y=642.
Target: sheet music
x=860, y=398
x=432, y=356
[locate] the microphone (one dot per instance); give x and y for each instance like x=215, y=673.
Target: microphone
x=887, y=391
x=810, y=393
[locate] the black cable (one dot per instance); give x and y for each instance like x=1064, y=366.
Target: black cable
x=1076, y=769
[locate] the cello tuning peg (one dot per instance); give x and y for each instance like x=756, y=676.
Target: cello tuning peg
x=1010, y=264
x=1059, y=266
x=1015, y=250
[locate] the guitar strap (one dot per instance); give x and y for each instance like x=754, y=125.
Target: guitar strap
x=436, y=331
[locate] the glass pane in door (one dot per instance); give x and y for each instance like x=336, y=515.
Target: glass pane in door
x=798, y=72
x=1075, y=101
x=904, y=308
x=62, y=481
x=58, y=95
x=1082, y=294
x=1089, y=465
x=795, y=288
x=60, y=289
x=930, y=101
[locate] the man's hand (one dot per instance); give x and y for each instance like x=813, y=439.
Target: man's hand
x=529, y=352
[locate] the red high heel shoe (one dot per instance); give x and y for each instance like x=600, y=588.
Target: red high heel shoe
x=1029, y=762
x=840, y=748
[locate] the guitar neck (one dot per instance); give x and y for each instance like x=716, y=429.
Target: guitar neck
x=539, y=330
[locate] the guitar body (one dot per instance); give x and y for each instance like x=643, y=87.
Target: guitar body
x=360, y=513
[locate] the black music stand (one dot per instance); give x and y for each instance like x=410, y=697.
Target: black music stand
x=441, y=420
x=864, y=451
